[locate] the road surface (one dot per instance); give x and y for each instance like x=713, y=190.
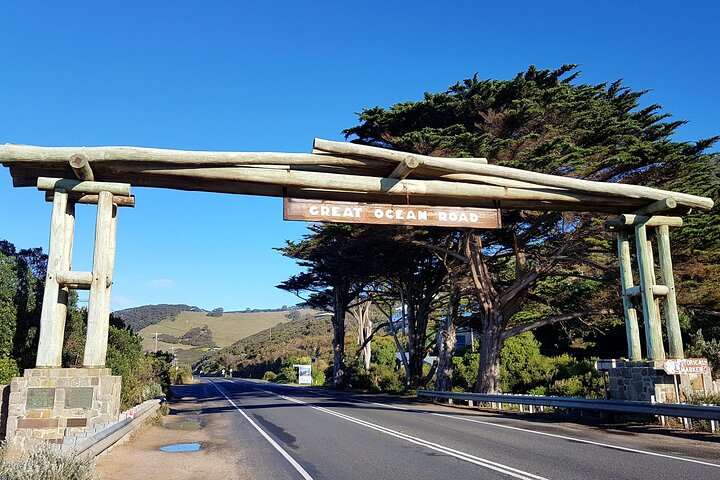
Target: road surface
x=295, y=433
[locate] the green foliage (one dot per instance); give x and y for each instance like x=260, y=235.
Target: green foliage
x=8, y=370
x=522, y=365
x=465, y=371
x=144, y=375
x=137, y=318
x=43, y=462
x=198, y=337
x=701, y=348
x=383, y=350
x=269, y=376
x=379, y=378
x=180, y=375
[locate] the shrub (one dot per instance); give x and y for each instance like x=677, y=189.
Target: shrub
x=269, y=376
x=8, y=370
x=43, y=462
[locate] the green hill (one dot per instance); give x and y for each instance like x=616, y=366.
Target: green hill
x=188, y=332
x=267, y=350
x=138, y=318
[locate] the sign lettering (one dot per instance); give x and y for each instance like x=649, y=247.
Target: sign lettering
x=678, y=366
x=389, y=214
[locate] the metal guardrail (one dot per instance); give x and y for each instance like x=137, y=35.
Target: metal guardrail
x=105, y=439
x=682, y=410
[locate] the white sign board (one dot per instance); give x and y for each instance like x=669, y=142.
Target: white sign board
x=304, y=374
x=677, y=366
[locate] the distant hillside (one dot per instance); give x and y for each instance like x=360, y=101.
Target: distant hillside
x=266, y=350
x=138, y=318
x=174, y=332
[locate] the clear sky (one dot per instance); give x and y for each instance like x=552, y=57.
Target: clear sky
x=270, y=76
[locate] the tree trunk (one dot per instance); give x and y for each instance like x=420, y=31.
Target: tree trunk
x=488, y=380
x=338, y=342
x=447, y=340
x=443, y=380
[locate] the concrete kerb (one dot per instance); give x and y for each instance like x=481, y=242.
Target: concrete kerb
x=121, y=431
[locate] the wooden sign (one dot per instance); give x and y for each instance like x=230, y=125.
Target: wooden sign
x=679, y=366
x=389, y=214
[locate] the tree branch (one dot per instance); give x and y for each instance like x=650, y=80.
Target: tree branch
x=511, y=332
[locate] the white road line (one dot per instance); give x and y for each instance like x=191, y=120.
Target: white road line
x=498, y=467
x=580, y=440
x=272, y=442
x=554, y=435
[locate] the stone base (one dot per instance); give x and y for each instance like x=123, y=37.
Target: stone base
x=46, y=404
x=641, y=380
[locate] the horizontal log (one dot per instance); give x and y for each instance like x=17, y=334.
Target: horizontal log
x=657, y=291
x=90, y=199
x=664, y=205
x=620, y=223
x=356, y=150
x=329, y=181
x=79, y=186
x=72, y=277
x=404, y=168
x=11, y=154
x=81, y=167
x=651, y=221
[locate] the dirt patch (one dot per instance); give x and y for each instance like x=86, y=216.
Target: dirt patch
x=141, y=458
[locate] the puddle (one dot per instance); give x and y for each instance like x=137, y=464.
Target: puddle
x=181, y=447
x=189, y=424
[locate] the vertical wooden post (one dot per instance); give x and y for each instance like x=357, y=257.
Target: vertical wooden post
x=54, y=309
x=632, y=330
x=672, y=321
x=99, y=304
x=653, y=330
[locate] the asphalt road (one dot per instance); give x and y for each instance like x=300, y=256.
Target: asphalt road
x=294, y=433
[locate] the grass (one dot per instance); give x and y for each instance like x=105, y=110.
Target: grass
x=226, y=330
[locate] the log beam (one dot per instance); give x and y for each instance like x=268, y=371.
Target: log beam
x=55, y=296
x=664, y=205
x=75, y=278
x=653, y=330
x=657, y=290
x=404, y=168
x=99, y=305
x=80, y=165
x=80, y=186
x=90, y=199
x=632, y=329
x=672, y=320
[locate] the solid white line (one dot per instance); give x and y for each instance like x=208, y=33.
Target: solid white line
x=272, y=442
x=498, y=467
x=580, y=440
x=564, y=437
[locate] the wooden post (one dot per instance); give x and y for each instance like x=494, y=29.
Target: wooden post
x=632, y=329
x=653, y=330
x=54, y=309
x=672, y=321
x=99, y=304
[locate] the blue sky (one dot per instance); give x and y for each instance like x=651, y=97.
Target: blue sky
x=270, y=76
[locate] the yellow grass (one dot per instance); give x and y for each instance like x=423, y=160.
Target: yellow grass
x=226, y=330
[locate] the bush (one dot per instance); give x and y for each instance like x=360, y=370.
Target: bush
x=8, y=370
x=198, y=337
x=180, y=375
x=43, y=462
x=269, y=376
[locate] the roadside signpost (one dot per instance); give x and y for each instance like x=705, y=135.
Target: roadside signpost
x=679, y=366
x=304, y=374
